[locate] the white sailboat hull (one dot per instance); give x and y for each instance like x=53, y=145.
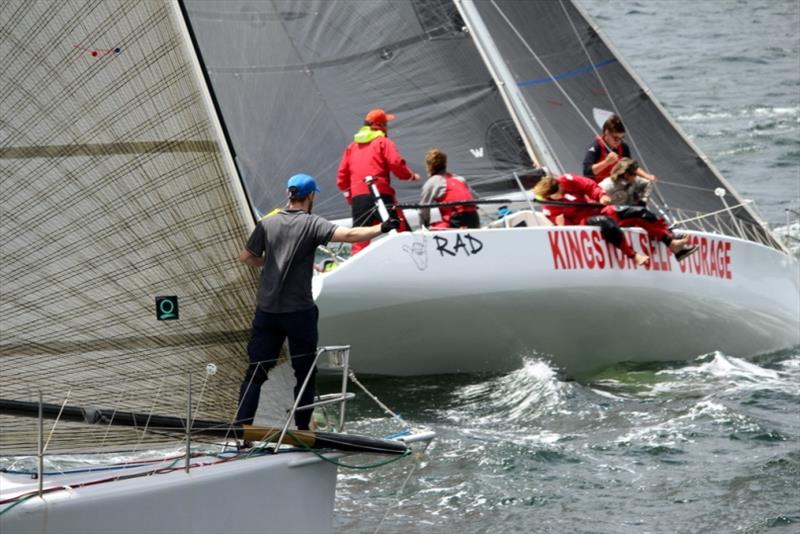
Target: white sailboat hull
x=479, y=300
x=258, y=494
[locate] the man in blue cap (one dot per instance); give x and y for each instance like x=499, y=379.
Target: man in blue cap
x=283, y=245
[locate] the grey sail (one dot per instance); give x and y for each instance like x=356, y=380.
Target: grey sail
x=114, y=190
x=294, y=79
x=571, y=80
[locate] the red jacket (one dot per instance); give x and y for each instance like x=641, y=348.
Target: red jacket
x=575, y=189
x=377, y=158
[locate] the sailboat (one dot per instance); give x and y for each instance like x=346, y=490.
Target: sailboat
x=510, y=91
x=123, y=309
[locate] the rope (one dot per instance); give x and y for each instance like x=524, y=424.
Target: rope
x=699, y=217
x=402, y=486
x=322, y=456
x=58, y=417
x=386, y=409
x=502, y=201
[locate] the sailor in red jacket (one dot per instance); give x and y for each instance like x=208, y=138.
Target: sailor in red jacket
x=444, y=187
x=372, y=153
x=578, y=190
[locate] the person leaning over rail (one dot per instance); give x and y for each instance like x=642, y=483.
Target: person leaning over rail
x=629, y=194
x=579, y=201
x=445, y=187
x=624, y=187
x=283, y=244
x=372, y=153
x=606, y=150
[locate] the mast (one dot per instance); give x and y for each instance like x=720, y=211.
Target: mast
x=532, y=135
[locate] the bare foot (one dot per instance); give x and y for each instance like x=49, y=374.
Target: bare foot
x=641, y=259
x=678, y=244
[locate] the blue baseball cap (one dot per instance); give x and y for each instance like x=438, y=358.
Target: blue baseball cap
x=302, y=185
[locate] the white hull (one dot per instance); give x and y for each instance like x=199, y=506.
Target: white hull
x=259, y=494
x=427, y=303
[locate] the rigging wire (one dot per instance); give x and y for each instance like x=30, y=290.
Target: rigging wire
x=665, y=210
x=561, y=88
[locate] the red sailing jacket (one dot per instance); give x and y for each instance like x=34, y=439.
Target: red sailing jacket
x=605, y=173
x=576, y=189
x=377, y=158
x=457, y=190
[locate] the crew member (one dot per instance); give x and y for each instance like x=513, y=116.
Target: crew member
x=579, y=202
x=283, y=244
x=444, y=187
x=628, y=193
x=607, y=150
x=372, y=153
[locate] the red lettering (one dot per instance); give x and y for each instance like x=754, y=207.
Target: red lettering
x=587, y=249
x=704, y=256
x=631, y=264
x=555, y=251
x=666, y=258
x=644, y=242
x=712, y=259
x=601, y=258
x=575, y=249
x=728, y=273
x=697, y=259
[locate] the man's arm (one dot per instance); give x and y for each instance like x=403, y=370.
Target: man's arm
x=248, y=258
x=342, y=234
x=396, y=162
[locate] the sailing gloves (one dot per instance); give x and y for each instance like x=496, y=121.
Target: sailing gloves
x=389, y=225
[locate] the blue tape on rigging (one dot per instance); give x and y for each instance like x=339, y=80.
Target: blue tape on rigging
x=568, y=74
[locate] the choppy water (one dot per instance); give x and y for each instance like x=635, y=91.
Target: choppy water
x=710, y=445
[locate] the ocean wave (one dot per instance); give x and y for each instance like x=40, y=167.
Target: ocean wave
x=524, y=394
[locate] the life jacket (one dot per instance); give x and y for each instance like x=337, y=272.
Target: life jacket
x=605, y=173
x=457, y=190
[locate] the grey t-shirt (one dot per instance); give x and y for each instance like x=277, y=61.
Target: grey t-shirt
x=288, y=240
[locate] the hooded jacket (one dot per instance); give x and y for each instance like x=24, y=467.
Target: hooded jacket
x=370, y=154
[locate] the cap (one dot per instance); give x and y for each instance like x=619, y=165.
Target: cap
x=378, y=116
x=302, y=185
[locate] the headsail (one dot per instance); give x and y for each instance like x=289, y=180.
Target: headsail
x=114, y=190
x=571, y=80
x=294, y=80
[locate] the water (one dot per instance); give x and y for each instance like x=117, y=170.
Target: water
x=709, y=445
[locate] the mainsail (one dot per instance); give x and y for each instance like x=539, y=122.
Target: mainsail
x=294, y=79
x=115, y=190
